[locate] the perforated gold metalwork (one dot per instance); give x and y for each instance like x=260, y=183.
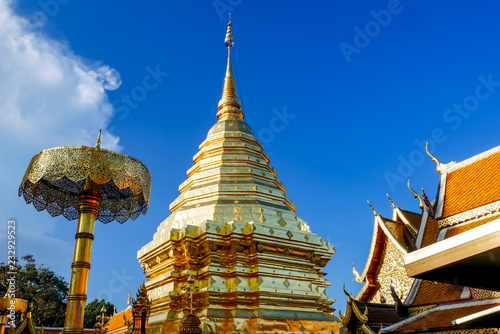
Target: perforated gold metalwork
x=417, y=310
x=55, y=179
x=471, y=214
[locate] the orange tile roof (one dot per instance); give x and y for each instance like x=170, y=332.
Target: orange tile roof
x=116, y=323
x=441, y=319
x=431, y=232
x=473, y=185
x=455, y=230
x=434, y=293
x=414, y=218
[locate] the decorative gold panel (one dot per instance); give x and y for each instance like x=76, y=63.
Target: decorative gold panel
x=392, y=270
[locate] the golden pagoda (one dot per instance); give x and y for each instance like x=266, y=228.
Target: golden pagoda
x=257, y=266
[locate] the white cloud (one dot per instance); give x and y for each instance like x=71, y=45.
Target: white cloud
x=48, y=97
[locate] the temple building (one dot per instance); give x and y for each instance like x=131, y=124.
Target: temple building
x=447, y=270
x=257, y=267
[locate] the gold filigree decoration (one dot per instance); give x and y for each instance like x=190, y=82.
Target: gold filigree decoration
x=480, y=294
x=471, y=214
x=392, y=270
x=55, y=180
x=282, y=222
x=262, y=219
x=417, y=310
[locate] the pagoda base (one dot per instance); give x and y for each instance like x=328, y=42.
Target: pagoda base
x=257, y=326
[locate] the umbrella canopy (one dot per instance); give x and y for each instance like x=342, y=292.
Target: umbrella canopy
x=54, y=181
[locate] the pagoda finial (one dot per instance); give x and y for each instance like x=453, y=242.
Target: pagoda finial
x=229, y=105
x=229, y=41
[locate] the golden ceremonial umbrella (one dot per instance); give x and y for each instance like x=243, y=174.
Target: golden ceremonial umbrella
x=87, y=183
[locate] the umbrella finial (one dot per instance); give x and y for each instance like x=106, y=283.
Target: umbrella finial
x=98, y=141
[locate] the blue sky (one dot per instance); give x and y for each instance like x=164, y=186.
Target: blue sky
x=365, y=84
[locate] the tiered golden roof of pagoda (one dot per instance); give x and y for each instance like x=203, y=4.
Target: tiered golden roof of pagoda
x=234, y=228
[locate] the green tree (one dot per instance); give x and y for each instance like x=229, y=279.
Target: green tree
x=93, y=309
x=46, y=290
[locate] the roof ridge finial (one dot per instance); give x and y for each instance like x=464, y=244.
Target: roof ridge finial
x=371, y=207
x=416, y=195
x=438, y=166
x=229, y=105
x=390, y=199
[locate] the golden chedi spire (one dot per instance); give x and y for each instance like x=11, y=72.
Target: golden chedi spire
x=229, y=105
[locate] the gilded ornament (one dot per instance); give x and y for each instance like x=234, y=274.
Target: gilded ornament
x=55, y=179
x=390, y=199
x=87, y=183
x=438, y=164
x=238, y=217
x=371, y=207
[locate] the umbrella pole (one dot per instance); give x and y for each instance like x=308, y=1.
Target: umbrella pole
x=80, y=268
